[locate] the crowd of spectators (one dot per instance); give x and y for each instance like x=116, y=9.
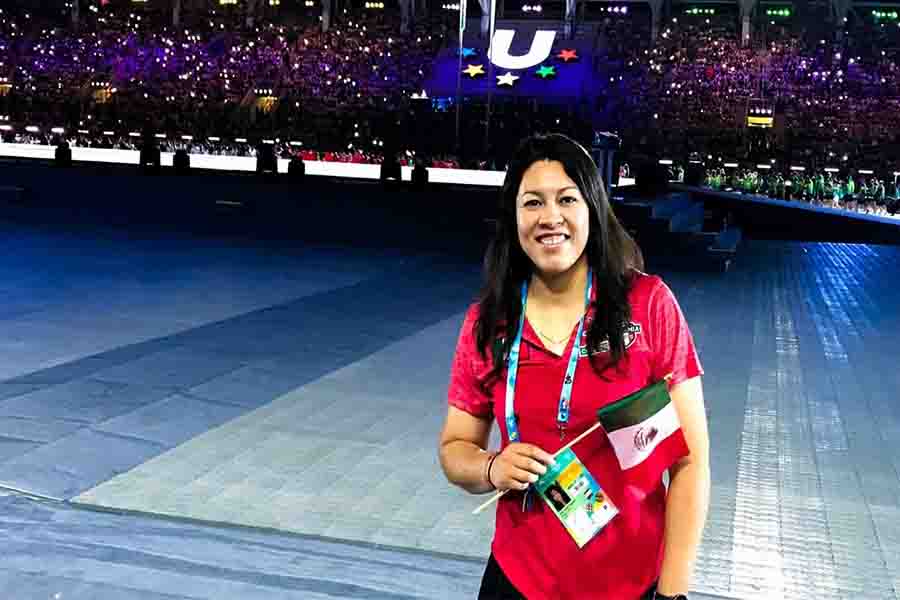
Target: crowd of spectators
x=350, y=93
x=124, y=72
x=833, y=102
x=861, y=192
x=699, y=81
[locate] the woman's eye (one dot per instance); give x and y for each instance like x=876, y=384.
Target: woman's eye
x=569, y=199
x=531, y=202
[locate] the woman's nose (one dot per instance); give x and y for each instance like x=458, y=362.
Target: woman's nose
x=551, y=215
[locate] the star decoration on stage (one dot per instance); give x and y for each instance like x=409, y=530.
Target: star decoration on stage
x=546, y=71
x=567, y=54
x=467, y=52
x=474, y=70
x=508, y=79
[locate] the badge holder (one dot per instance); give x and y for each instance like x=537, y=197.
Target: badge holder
x=575, y=497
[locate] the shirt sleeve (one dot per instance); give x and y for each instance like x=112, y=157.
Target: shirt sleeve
x=464, y=391
x=671, y=340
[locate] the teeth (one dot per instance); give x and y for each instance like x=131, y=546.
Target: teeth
x=553, y=240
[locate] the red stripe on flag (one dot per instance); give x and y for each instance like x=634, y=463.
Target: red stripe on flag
x=647, y=474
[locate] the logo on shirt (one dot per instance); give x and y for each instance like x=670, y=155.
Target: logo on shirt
x=631, y=331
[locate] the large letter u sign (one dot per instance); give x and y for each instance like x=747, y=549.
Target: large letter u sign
x=541, y=46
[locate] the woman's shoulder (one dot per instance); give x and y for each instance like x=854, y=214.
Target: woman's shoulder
x=643, y=285
x=473, y=313
x=468, y=334
x=468, y=337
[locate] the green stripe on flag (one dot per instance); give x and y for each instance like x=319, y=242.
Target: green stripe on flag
x=635, y=408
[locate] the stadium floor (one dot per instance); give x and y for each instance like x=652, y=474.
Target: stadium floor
x=211, y=419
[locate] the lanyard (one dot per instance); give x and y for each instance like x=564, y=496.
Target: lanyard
x=565, y=396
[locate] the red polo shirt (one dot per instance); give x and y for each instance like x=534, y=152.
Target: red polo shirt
x=533, y=548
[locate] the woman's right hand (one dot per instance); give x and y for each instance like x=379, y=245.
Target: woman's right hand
x=518, y=466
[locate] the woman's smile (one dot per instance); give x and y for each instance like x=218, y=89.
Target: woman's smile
x=552, y=240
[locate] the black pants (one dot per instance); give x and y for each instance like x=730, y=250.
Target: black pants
x=496, y=586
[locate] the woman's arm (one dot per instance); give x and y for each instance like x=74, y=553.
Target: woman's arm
x=687, y=501
x=466, y=463
x=462, y=451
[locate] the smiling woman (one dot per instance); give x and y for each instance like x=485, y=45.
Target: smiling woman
x=563, y=286
x=553, y=188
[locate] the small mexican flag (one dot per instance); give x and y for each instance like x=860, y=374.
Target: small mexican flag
x=645, y=434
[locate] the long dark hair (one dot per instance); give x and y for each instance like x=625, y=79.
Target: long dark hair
x=611, y=253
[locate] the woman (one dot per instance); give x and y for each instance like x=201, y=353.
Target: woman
x=556, y=227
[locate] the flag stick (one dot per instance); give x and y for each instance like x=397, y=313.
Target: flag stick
x=593, y=428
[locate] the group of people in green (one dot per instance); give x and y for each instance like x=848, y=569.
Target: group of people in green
x=867, y=194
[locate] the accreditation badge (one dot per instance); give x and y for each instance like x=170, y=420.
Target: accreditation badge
x=576, y=498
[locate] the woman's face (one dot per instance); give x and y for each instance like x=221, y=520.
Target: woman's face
x=552, y=216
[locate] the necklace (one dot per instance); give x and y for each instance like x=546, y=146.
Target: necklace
x=548, y=338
